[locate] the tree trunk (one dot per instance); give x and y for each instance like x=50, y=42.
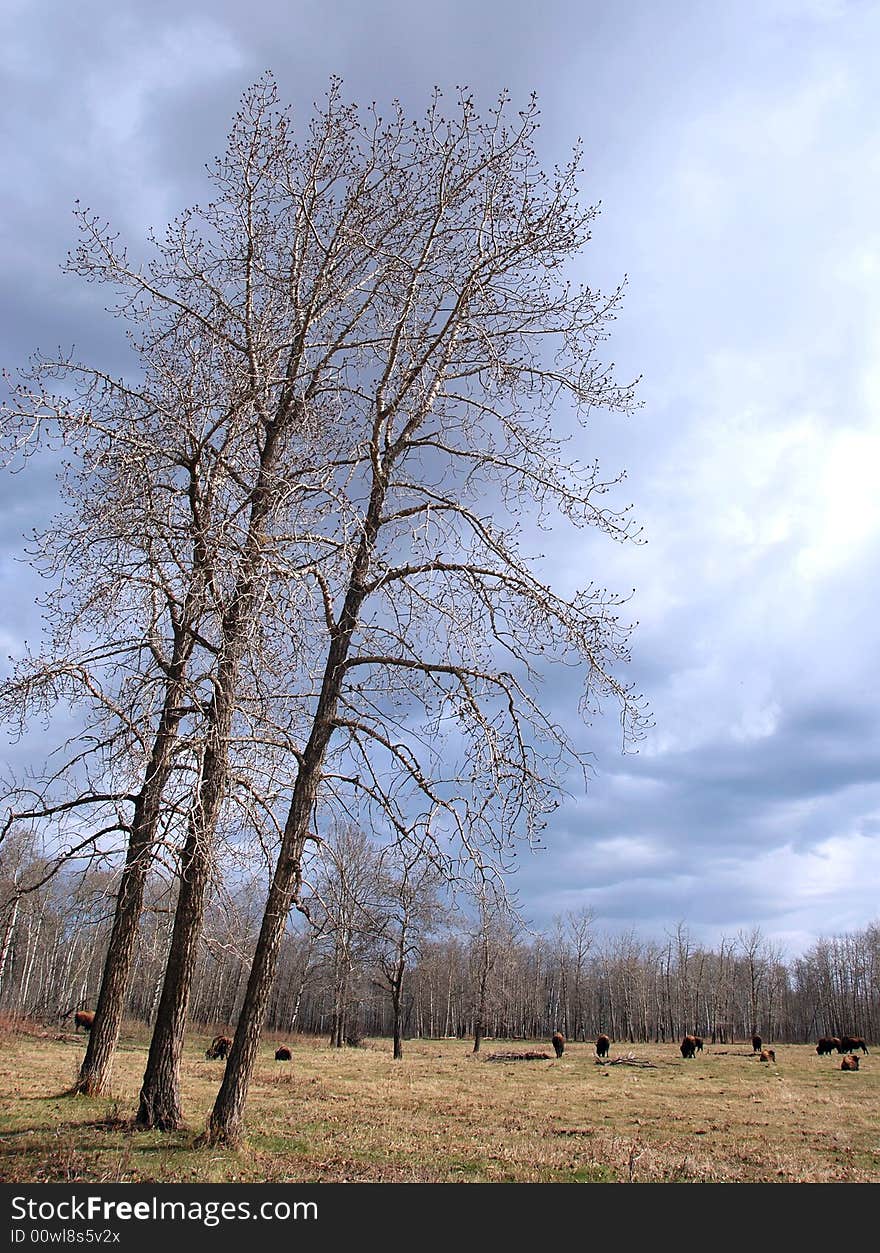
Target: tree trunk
x=159, y=1105
x=95, y=1070
x=6, y=942
x=94, y=1073
x=225, y=1125
x=480, y=1015
x=226, y=1122
x=397, y=1032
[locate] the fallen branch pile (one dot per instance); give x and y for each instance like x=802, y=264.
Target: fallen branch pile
x=518, y=1057
x=629, y=1060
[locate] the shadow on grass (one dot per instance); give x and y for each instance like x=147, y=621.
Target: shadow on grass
x=185, y=1138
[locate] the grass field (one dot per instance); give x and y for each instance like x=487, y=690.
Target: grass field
x=443, y=1115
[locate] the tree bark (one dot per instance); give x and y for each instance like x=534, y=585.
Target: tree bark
x=159, y=1105
x=94, y=1073
x=397, y=1003
x=226, y=1122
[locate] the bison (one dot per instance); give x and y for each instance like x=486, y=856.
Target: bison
x=83, y=1018
x=827, y=1044
x=756, y=1043
x=282, y=1054
x=767, y=1055
x=219, y=1047
x=850, y=1063
x=688, y=1046
x=849, y=1044
x=603, y=1044
x=558, y=1041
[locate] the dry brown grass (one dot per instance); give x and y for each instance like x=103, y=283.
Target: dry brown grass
x=442, y=1115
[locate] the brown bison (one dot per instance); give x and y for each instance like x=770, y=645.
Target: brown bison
x=849, y=1044
x=767, y=1055
x=558, y=1041
x=756, y=1043
x=283, y=1054
x=688, y=1046
x=603, y=1044
x=219, y=1047
x=850, y=1063
x=83, y=1018
x=827, y=1044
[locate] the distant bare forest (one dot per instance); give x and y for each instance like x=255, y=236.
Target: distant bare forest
x=465, y=969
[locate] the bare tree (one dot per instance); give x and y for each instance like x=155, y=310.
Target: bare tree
x=409, y=908
x=345, y=906
x=122, y=627
x=485, y=952
x=173, y=516
x=579, y=924
x=175, y=511
x=461, y=341
x=233, y=311
x=754, y=949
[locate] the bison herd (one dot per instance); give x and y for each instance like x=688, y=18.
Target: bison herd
x=221, y=1044
x=693, y=1044
x=603, y=1044
x=690, y=1045
x=843, y=1044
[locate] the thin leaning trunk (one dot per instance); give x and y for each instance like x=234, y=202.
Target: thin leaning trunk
x=159, y=1105
x=94, y=1073
x=6, y=942
x=226, y=1122
x=397, y=1008
x=226, y=1119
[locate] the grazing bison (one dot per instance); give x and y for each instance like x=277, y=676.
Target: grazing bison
x=850, y=1063
x=558, y=1041
x=767, y=1055
x=283, y=1054
x=603, y=1044
x=827, y=1044
x=688, y=1046
x=219, y=1047
x=83, y=1018
x=756, y=1043
x=849, y=1044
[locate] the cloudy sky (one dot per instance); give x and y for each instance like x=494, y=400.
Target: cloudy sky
x=736, y=151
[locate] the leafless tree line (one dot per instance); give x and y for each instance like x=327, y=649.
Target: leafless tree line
x=385, y=958
x=290, y=583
